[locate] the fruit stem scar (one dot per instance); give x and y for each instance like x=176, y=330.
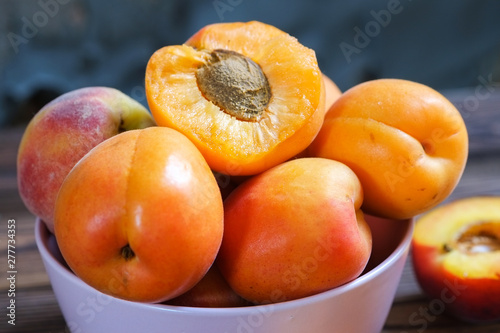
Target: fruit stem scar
x=235, y=83
x=127, y=253
x=121, y=127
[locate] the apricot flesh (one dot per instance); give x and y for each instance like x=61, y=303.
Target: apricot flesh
x=258, y=107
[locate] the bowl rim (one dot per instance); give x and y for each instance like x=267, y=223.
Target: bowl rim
x=42, y=236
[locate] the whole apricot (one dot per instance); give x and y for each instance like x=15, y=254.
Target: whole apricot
x=140, y=217
x=405, y=141
x=293, y=231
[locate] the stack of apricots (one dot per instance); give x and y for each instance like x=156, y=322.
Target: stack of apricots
x=248, y=179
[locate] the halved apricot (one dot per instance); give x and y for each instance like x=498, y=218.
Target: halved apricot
x=248, y=95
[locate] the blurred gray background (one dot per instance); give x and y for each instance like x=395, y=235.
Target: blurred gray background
x=48, y=47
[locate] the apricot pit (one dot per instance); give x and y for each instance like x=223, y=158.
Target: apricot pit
x=235, y=83
x=480, y=238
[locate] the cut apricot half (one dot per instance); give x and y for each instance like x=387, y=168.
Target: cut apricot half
x=248, y=95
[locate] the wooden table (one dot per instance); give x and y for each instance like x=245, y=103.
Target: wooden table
x=37, y=309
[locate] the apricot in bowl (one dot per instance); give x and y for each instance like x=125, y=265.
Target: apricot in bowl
x=248, y=95
x=405, y=141
x=337, y=310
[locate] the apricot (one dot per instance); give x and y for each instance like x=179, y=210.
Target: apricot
x=212, y=291
x=332, y=92
x=140, y=217
x=456, y=257
x=293, y=231
x=62, y=132
x=405, y=141
x=248, y=95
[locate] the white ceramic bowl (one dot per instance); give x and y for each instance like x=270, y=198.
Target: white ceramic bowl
x=360, y=306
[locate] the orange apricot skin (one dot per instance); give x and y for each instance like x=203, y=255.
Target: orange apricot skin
x=234, y=35
x=405, y=141
x=212, y=291
x=332, y=92
x=293, y=231
x=150, y=190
